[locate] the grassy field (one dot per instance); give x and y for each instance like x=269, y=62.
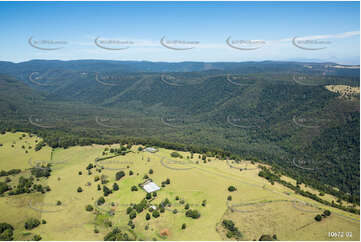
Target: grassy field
x=257, y=207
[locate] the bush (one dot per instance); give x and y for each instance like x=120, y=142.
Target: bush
x=150, y=171
x=327, y=212
x=154, y=194
x=132, y=214
x=176, y=155
x=232, y=188
x=318, y=218
x=89, y=208
x=229, y=198
x=129, y=209
x=96, y=230
x=131, y=173
x=106, y=191
x=6, y=232
x=204, y=202
x=58, y=203
x=101, y=201
x=147, y=217
x=80, y=173
x=119, y=175
x=155, y=214
x=148, y=196
x=193, y=214
x=79, y=189
x=266, y=237
x=186, y=206
x=134, y=188
x=31, y=223
x=115, y=187
x=183, y=226
x=43, y=221
x=37, y=237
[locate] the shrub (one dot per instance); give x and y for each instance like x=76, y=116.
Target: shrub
x=43, y=221
x=148, y=196
x=318, y=218
x=115, y=187
x=58, y=203
x=154, y=194
x=150, y=171
x=155, y=214
x=266, y=237
x=193, y=214
x=132, y=214
x=232, y=188
x=6, y=232
x=186, y=206
x=89, y=208
x=229, y=198
x=183, y=226
x=101, y=201
x=147, y=217
x=175, y=155
x=36, y=237
x=131, y=173
x=80, y=173
x=106, y=191
x=31, y=223
x=129, y=209
x=134, y=188
x=79, y=189
x=96, y=230
x=204, y=202
x=327, y=212
x=119, y=175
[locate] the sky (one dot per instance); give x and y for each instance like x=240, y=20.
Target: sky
x=181, y=31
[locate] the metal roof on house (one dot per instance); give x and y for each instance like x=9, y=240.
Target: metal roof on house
x=150, y=187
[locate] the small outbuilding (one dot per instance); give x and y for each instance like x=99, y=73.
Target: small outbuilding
x=150, y=186
x=150, y=150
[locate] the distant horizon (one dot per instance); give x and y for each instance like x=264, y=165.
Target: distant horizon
x=182, y=31
x=179, y=62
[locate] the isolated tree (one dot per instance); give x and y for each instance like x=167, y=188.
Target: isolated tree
x=318, y=218
x=89, y=208
x=232, y=188
x=115, y=187
x=79, y=189
x=155, y=214
x=150, y=171
x=184, y=226
x=119, y=175
x=147, y=217
x=327, y=212
x=101, y=201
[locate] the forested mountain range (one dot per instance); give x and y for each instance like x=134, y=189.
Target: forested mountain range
x=278, y=112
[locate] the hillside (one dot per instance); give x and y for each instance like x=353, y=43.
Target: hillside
x=277, y=112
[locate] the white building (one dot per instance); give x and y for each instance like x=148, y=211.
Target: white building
x=150, y=186
x=150, y=150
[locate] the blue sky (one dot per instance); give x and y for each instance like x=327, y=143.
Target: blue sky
x=256, y=31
